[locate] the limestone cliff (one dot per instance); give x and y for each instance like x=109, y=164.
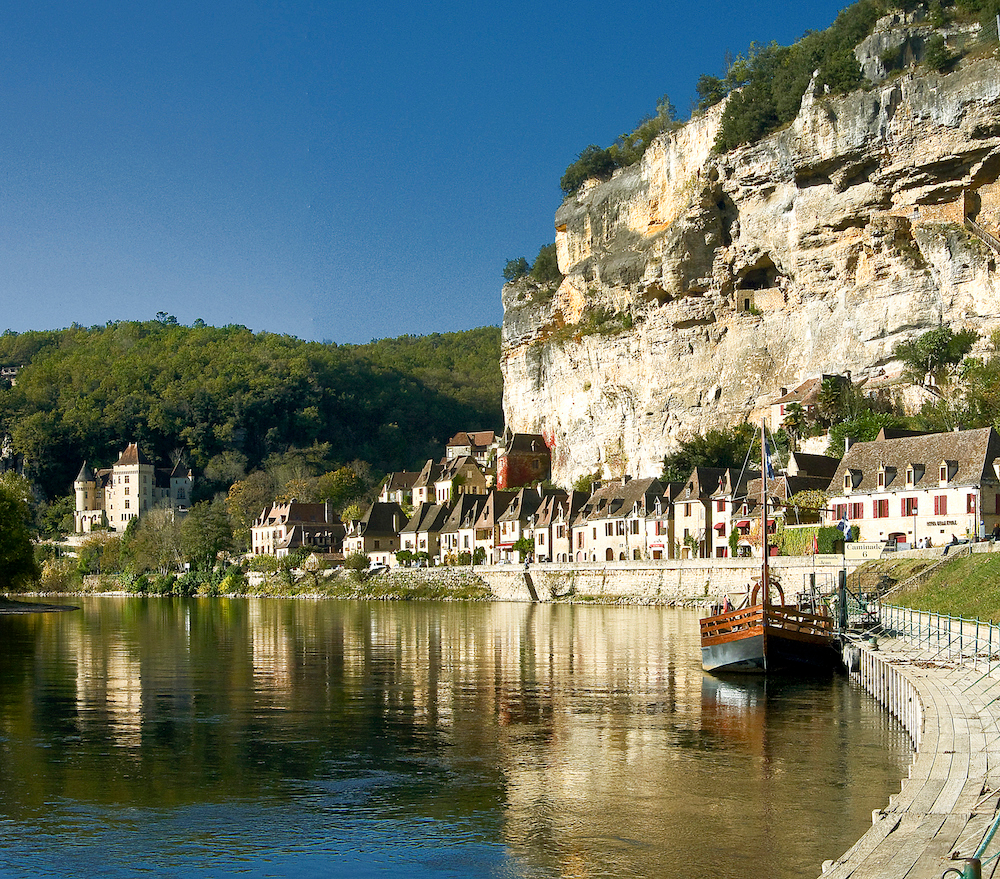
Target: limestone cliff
x=697, y=284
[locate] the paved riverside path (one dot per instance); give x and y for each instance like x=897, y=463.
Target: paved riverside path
x=950, y=799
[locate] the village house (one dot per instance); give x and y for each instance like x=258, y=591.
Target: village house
x=479, y=444
x=518, y=521
x=131, y=487
x=660, y=540
x=729, y=508
x=398, y=488
x=284, y=527
x=486, y=528
x=459, y=476
x=611, y=525
x=422, y=532
x=806, y=395
x=425, y=485
x=695, y=510
x=458, y=533
x=553, y=530
x=916, y=488
x=523, y=459
x=376, y=533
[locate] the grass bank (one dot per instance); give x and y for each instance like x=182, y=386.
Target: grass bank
x=967, y=587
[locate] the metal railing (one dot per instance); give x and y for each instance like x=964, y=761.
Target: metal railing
x=947, y=638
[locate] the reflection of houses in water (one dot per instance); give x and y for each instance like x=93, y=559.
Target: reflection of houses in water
x=109, y=687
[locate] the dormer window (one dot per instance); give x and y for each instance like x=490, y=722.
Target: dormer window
x=852, y=479
x=947, y=471
x=914, y=473
x=885, y=476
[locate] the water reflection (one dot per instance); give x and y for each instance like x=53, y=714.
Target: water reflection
x=298, y=738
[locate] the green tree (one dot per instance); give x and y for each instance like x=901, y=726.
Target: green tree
x=523, y=546
x=727, y=447
x=204, y=533
x=18, y=568
x=592, y=162
x=934, y=352
x=515, y=268
x=246, y=500
x=546, y=267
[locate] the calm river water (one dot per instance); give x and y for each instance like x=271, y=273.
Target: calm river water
x=216, y=737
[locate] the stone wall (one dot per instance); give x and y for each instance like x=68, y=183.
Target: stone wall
x=689, y=581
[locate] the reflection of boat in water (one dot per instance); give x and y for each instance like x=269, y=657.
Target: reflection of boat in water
x=765, y=637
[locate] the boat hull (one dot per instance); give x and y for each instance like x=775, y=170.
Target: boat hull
x=756, y=641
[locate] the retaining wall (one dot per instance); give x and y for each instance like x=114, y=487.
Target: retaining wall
x=688, y=581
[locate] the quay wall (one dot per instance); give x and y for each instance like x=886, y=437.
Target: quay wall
x=686, y=581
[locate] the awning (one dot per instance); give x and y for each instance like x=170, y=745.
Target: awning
x=743, y=523
x=770, y=523
x=656, y=545
x=719, y=526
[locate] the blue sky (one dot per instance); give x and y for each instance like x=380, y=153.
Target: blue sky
x=331, y=170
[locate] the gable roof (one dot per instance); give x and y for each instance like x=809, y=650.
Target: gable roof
x=426, y=517
x=495, y=506
x=812, y=465
x=380, y=518
x=972, y=453
x=465, y=512
x=132, y=457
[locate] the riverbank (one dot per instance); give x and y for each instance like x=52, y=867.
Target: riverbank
x=10, y=606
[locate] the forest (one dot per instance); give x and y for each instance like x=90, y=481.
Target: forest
x=230, y=402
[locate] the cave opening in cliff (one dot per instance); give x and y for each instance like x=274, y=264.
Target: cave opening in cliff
x=762, y=275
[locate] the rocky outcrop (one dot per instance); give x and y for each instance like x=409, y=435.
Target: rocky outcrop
x=697, y=284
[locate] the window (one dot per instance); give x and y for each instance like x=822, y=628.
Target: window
x=940, y=505
x=857, y=511
x=541, y=539
x=908, y=506
x=126, y=503
x=840, y=511
x=687, y=509
x=880, y=508
x=661, y=527
x=560, y=531
x=595, y=532
x=579, y=540
x=126, y=479
x=620, y=527
x=720, y=506
x=634, y=526
x=944, y=473
x=608, y=529
x=848, y=482
x=970, y=503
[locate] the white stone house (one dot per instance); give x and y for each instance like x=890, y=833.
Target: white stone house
x=915, y=488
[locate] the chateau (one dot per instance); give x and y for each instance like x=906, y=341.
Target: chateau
x=132, y=487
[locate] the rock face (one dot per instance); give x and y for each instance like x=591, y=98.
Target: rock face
x=698, y=284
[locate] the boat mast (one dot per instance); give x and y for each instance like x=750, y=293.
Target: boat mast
x=765, y=581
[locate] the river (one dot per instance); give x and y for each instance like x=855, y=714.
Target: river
x=291, y=738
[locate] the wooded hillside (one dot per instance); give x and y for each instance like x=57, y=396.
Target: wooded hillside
x=227, y=398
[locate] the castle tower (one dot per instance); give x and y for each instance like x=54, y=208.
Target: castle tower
x=85, y=487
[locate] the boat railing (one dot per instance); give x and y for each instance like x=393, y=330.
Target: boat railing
x=732, y=621
x=786, y=617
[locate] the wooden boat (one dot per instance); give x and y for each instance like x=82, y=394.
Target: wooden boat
x=764, y=637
